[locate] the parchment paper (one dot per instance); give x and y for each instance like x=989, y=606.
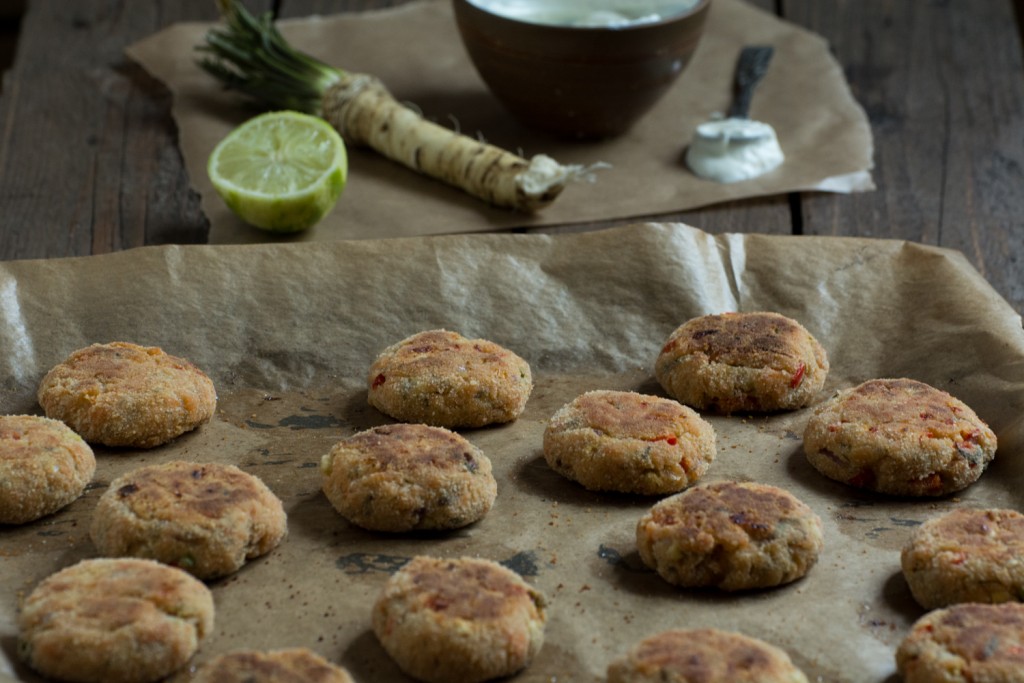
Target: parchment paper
x=288, y=331
x=416, y=51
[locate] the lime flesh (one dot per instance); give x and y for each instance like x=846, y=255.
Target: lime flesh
x=280, y=171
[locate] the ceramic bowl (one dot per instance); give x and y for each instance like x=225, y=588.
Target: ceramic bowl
x=578, y=81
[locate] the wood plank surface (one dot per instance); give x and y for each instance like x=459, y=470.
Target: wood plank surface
x=87, y=154
x=10, y=24
x=941, y=83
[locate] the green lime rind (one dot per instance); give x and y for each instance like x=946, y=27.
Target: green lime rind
x=288, y=213
x=300, y=149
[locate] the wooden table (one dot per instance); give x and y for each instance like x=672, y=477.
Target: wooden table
x=89, y=162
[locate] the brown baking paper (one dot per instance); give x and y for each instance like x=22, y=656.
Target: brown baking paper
x=416, y=51
x=288, y=332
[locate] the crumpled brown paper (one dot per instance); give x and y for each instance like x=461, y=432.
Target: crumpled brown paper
x=416, y=51
x=288, y=331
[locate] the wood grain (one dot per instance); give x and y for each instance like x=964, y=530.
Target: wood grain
x=943, y=91
x=88, y=156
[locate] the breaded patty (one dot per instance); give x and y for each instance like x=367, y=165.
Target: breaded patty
x=900, y=437
x=443, y=379
x=44, y=466
x=114, y=621
x=629, y=442
x=465, y=620
x=207, y=518
x=408, y=476
x=965, y=643
x=731, y=535
x=292, y=665
x=742, y=362
x=966, y=555
x=704, y=655
x=122, y=394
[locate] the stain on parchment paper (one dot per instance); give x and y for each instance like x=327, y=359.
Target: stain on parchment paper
x=882, y=524
x=311, y=409
x=310, y=420
x=626, y=560
x=888, y=617
x=523, y=563
x=364, y=563
x=294, y=431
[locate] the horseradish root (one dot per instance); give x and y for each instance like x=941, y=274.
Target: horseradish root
x=248, y=54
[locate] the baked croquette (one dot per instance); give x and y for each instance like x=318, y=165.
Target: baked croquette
x=44, y=466
x=114, y=621
x=967, y=555
x=208, y=519
x=629, y=442
x=704, y=655
x=730, y=535
x=466, y=620
x=406, y=477
x=742, y=362
x=291, y=665
x=443, y=379
x=899, y=437
x=965, y=643
x=122, y=394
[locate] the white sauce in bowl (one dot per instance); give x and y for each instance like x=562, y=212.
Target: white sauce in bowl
x=587, y=13
x=733, y=149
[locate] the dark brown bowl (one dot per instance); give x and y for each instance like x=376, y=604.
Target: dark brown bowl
x=580, y=82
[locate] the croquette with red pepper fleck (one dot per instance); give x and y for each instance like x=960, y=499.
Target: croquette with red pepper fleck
x=742, y=362
x=899, y=437
x=966, y=555
x=965, y=643
x=629, y=442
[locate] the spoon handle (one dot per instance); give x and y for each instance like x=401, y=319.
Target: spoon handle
x=751, y=67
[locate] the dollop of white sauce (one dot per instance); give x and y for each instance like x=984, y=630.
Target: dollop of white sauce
x=606, y=18
x=587, y=13
x=733, y=149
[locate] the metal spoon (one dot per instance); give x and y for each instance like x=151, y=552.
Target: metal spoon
x=750, y=69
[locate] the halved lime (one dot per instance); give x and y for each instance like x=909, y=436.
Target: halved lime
x=280, y=171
